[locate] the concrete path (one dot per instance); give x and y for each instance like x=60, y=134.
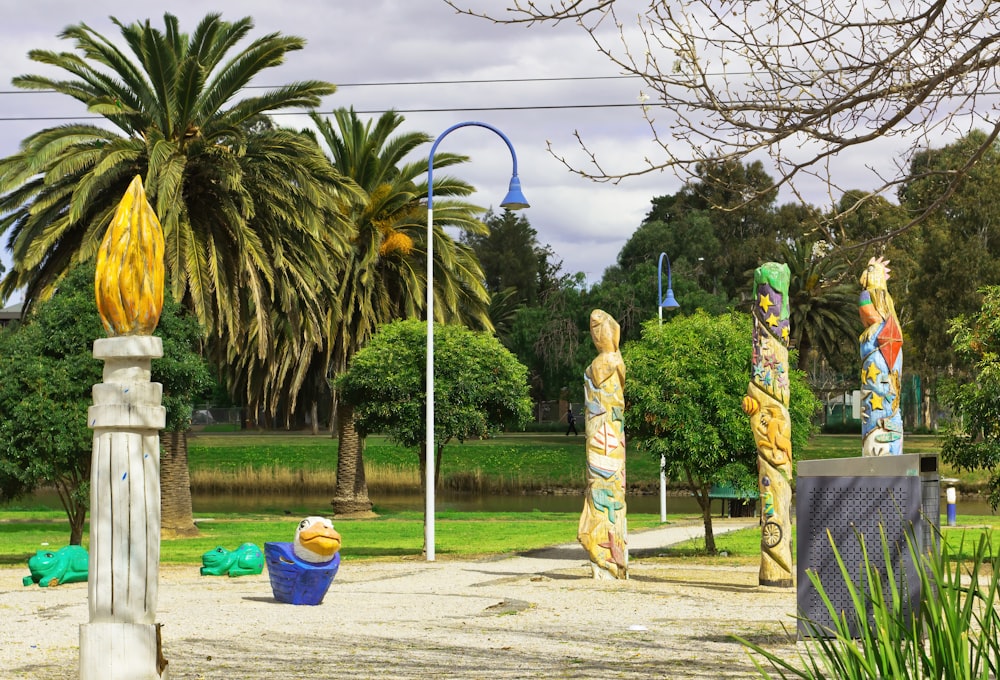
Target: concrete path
x=536, y=615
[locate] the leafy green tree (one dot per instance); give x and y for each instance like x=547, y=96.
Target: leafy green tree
x=382, y=277
x=715, y=230
x=972, y=440
x=549, y=337
x=47, y=370
x=512, y=257
x=685, y=382
x=958, y=250
x=739, y=199
x=479, y=386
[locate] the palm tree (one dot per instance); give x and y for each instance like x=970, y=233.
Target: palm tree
x=383, y=276
x=823, y=303
x=245, y=206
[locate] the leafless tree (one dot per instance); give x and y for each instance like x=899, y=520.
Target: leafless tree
x=802, y=81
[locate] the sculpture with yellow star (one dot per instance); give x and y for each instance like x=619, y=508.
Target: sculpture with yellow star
x=881, y=364
x=766, y=403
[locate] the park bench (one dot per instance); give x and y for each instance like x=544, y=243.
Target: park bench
x=735, y=502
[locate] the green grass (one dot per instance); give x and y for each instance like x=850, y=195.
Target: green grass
x=531, y=460
x=393, y=535
x=523, y=460
x=527, y=461
x=744, y=545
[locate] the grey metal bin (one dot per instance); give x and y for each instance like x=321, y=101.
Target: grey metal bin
x=852, y=498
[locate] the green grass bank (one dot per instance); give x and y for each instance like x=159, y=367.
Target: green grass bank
x=510, y=463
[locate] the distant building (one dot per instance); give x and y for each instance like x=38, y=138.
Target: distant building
x=10, y=313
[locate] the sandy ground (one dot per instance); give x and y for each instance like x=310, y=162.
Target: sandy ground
x=539, y=615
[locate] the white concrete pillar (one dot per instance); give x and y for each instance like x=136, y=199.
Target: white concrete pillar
x=121, y=641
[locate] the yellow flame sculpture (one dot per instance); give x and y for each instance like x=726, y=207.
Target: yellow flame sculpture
x=129, y=281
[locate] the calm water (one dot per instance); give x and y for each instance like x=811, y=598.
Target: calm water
x=474, y=503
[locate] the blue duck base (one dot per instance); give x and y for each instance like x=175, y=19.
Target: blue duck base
x=294, y=581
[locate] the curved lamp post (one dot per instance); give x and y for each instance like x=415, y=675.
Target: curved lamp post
x=514, y=200
x=664, y=303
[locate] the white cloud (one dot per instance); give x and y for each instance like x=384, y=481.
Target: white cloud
x=381, y=41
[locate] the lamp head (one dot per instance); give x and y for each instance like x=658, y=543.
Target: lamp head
x=514, y=200
x=669, y=302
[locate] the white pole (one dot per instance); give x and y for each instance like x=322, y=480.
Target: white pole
x=429, y=410
x=663, y=459
x=514, y=200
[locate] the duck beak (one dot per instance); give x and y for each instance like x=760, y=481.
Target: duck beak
x=320, y=540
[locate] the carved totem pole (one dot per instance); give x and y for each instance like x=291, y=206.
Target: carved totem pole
x=767, y=405
x=603, y=530
x=122, y=639
x=881, y=364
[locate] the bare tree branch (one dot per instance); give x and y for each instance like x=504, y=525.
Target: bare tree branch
x=802, y=82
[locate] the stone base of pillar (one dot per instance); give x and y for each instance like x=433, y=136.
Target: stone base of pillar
x=121, y=651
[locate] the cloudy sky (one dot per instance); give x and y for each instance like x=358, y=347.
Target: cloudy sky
x=537, y=84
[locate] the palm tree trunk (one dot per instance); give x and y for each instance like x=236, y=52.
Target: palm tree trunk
x=176, y=516
x=350, y=498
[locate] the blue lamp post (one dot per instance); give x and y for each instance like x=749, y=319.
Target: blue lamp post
x=667, y=302
x=514, y=200
x=664, y=302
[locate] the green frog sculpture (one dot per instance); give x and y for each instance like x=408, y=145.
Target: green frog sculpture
x=246, y=560
x=55, y=567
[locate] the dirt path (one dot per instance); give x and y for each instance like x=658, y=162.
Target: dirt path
x=539, y=615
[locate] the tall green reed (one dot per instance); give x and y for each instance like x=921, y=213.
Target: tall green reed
x=953, y=634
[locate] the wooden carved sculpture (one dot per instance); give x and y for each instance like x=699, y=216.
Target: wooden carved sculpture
x=122, y=640
x=881, y=364
x=767, y=405
x=603, y=530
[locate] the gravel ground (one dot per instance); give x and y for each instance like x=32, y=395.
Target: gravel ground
x=539, y=615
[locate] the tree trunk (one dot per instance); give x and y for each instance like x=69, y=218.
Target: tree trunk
x=705, y=503
x=350, y=498
x=805, y=352
x=175, y=487
x=314, y=416
x=76, y=509
x=437, y=465
x=77, y=518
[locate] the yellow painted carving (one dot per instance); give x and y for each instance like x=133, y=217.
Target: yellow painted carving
x=129, y=281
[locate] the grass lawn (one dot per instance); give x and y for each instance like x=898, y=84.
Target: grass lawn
x=394, y=535
x=526, y=460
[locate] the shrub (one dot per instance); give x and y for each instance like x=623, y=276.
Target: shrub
x=954, y=635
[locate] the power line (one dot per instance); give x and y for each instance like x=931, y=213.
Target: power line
x=397, y=83
x=473, y=109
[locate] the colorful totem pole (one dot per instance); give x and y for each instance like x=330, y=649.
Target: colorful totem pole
x=122, y=640
x=603, y=530
x=881, y=365
x=767, y=405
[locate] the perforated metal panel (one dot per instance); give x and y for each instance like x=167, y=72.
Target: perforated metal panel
x=848, y=501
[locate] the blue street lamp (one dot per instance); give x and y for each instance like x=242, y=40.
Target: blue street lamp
x=663, y=303
x=514, y=200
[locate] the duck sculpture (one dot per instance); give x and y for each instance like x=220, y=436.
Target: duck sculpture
x=316, y=540
x=301, y=571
